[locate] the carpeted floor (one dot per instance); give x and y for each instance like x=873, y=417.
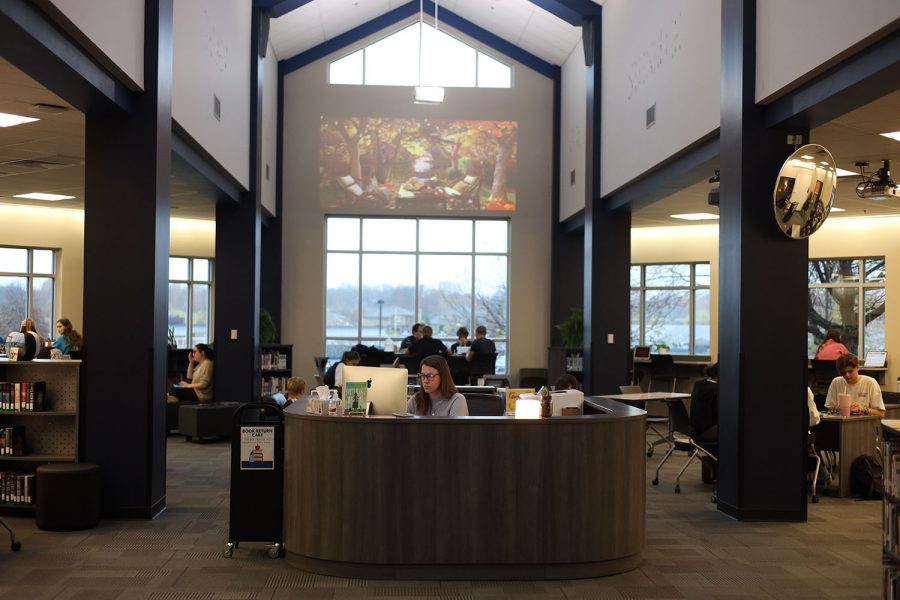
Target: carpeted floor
x=692, y=552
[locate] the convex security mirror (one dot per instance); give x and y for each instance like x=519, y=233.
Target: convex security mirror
x=804, y=191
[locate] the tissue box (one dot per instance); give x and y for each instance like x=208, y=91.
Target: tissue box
x=565, y=399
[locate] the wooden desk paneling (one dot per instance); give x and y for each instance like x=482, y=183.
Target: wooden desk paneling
x=466, y=498
x=851, y=437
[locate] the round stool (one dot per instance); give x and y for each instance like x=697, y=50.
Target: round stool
x=68, y=496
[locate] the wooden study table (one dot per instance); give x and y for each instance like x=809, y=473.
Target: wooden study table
x=466, y=498
x=852, y=437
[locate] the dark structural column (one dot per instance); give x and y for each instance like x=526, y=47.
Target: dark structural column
x=607, y=251
x=126, y=270
x=238, y=241
x=762, y=302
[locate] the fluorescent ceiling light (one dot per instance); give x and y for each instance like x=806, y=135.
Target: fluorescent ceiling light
x=695, y=216
x=836, y=209
x=807, y=157
x=894, y=135
x=845, y=173
x=8, y=120
x=43, y=196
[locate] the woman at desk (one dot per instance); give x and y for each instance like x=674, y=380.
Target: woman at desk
x=68, y=339
x=438, y=396
x=831, y=348
x=865, y=394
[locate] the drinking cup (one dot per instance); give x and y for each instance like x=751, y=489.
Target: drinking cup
x=844, y=404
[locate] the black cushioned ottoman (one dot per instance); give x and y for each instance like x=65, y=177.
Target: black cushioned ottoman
x=206, y=420
x=68, y=496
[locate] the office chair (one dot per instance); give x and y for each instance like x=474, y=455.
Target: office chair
x=814, y=462
x=485, y=405
x=682, y=440
x=497, y=381
x=662, y=369
x=481, y=364
x=532, y=378
x=14, y=545
x=654, y=418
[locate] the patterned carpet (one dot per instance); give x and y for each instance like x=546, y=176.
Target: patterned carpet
x=692, y=552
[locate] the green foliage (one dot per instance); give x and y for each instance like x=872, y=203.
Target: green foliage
x=572, y=329
x=268, y=334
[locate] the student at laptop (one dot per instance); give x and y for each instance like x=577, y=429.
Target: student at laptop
x=831, y=348
x=865, y=394
x=481, y=345
x=415, y=334
x=427, y=345
x=462, y=340
x=438, y=396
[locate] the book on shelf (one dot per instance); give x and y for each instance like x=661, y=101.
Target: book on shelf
x=12, y=440
x=272, y=385
x=273, y=361
x=17, y=487
x=22, y=396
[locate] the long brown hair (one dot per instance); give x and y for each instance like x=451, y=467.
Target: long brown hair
x=72, y=337
x=445, y=390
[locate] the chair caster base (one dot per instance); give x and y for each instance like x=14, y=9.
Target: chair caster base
x=815, y=499
x=655, y=482
x=677, y=489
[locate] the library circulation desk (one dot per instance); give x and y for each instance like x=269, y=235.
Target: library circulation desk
x=466, y=498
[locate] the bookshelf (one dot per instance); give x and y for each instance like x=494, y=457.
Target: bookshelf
x=890, y=558
x=51, y=434
x=275, y=365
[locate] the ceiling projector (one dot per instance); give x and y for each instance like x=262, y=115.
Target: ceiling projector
x=877, y=185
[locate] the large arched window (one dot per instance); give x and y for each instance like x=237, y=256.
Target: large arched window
x=394, y=60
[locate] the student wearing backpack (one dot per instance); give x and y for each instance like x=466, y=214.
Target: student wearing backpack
x=865, y=393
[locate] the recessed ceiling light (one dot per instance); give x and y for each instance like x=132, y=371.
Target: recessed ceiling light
x=43, y=196
x=845, y=173
x=807, y=157
x=695, y=216
x=836, y=209
x=8, y=120
x=894, y=135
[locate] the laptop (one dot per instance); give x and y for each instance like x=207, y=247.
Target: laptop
x=875, y=359
x=642, y=353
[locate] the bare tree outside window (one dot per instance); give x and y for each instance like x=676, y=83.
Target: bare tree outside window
x=27, y=287
x=670, y=306
x=847, y=294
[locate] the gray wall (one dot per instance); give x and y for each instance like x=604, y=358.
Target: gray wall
x=308, y=96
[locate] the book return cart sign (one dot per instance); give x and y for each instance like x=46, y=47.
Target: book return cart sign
x=257, y=448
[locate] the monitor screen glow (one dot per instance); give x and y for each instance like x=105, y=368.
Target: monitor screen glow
x=387, y=394
x=875, y=358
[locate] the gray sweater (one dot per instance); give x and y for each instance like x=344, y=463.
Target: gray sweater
x=454, y=406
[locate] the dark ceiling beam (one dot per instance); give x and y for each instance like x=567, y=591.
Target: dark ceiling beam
x=573, y=12
x=407, y=10
x=278, y=8
x=866, y=76
x=38, y=47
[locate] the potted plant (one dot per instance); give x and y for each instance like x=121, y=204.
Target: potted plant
x=267, y=332
x=572, y=329
x=662, y=348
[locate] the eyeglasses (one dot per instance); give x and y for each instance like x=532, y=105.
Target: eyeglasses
x=428, y=376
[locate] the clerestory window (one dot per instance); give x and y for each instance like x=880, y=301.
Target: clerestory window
x=394, y=60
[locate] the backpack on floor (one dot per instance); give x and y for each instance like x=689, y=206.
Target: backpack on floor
x=866, y=477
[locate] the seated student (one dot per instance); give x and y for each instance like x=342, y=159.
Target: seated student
x=831, y=348
x=566, y=381
x=408, y=340
x=28, y=327
x=814, y=417
x=438, y=396
x=198, y=383
x=481, y=345
x=68, y=339
x=427, y=345
x=462, y=340
x=865, y=394
x=705, y=419
x=296, y=387
x=334, y=376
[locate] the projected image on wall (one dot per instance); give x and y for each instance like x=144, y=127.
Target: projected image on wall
x=417, y=164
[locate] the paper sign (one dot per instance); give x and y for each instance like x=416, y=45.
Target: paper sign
x=257, y=448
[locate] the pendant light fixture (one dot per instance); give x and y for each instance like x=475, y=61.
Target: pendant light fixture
x=427, y=94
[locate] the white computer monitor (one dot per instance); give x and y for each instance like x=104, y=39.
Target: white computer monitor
x=387, y=394
x=875, y=359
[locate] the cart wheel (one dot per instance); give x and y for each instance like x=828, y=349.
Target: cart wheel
x=274, y=550
x=655, y=481
x=229, y=549
x=677, y=489
x=16, y=546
